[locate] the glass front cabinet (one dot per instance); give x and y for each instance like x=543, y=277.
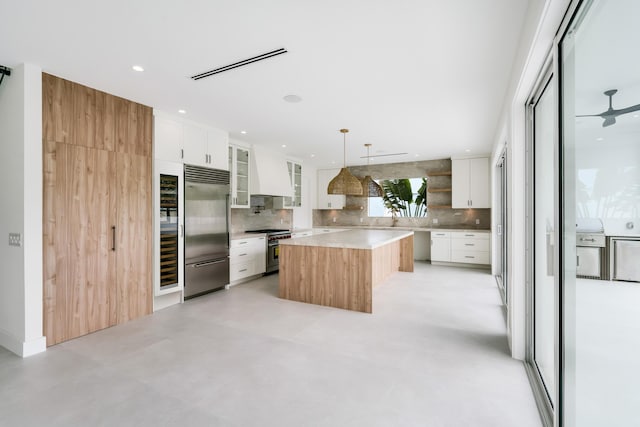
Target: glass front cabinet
x=239, y=170
x=169, y=227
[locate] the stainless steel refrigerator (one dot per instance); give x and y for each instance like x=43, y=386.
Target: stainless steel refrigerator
x=206, y=207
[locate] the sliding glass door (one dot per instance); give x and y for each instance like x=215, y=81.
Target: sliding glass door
x=542, y=227
x=501, y=227
x=600, y=176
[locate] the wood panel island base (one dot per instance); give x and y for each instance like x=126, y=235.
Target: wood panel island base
x=340, y=269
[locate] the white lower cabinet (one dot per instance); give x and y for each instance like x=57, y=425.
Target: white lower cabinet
x=441, y=246
x=248, y=257
x=470, y=247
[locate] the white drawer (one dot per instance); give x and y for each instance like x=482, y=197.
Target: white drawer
x=238, y=254
x=440, y=234
x=241, y=270
x=470, y=257
x=469, y=235
x=238, y=243
x=470, y=244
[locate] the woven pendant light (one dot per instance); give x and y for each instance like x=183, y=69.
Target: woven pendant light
x=369, y=186
x=345, y=183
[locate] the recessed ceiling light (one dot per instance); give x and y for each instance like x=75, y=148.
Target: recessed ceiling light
x=417, y=155
x=284, y=145
x=292, y=98
x=244, y=132
x=313, y=155
x=333, y=162
x=467, y=150
x=635, y=116
x=182, y=111
x=137, y=68
x=599, y=138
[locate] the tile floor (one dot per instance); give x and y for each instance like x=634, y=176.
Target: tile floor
x=434, y=353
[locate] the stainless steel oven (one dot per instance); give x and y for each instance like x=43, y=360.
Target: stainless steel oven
x=273, y=246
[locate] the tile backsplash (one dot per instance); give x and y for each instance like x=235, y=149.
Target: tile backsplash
x=254, y=218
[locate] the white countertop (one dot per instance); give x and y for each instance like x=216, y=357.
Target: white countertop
x=417, y=228
x=351, y=239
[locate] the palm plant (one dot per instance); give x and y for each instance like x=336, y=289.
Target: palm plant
x=398, y=197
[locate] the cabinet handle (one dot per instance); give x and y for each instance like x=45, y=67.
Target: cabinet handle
x=113, y=237
x=470, y=202
x=243, y=243
x=182, y=153
x=243, y=270
x=469, y=244
x=242, y=255
x=469, y=235
x=181, y=230
x=467, y=256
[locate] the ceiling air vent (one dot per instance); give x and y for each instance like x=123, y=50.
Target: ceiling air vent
x=240, y=63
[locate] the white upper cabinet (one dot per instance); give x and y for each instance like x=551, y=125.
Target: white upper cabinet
x=295, y=177
x=470, y=183
x=325, y=200
x=217, y=146
x=239, y=168
x=167, y=138
x=182, y=141
x=195, y=146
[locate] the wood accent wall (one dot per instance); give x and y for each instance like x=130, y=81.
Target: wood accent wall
x=337, y=277
x=97, y=175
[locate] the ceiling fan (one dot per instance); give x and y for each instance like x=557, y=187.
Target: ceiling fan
x=610, y=115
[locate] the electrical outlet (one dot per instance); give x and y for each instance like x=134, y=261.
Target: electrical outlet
x=334, y=219
x=15, y=239
x=361, y=219
x=435, y=220
x=281, y=221
x=477, y=222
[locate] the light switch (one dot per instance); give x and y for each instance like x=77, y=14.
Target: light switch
x=15, y=239
x=434, y=220
x=477, y=222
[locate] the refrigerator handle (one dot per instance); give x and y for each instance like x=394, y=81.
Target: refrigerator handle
x=228, y=219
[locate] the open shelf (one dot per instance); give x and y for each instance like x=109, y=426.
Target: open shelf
x=439, y=190
x=438, y=206
x=440, y=173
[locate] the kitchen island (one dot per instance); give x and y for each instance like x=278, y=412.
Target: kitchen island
x=340, y=269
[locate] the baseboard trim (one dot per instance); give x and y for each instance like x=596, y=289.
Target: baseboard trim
x=22, y=348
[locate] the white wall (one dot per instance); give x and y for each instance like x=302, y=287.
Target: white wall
x=21, y=195
x=541, y=24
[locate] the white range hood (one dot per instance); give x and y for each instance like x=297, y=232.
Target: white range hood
x=269, y=173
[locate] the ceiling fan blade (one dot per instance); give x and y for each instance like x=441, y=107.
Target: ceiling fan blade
x=628, y=110
x=609, y=121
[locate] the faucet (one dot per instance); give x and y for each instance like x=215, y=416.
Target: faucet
x=394, y=218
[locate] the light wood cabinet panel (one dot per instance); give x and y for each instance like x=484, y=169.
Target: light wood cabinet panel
x=57, y=109
x=90, y=210
x=105, y=122
x=97, y=175
x=133, y=242
x=55, y=233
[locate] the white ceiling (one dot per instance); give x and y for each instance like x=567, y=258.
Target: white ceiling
x=427, y=77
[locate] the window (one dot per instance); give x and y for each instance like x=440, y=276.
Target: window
x=407, y=196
